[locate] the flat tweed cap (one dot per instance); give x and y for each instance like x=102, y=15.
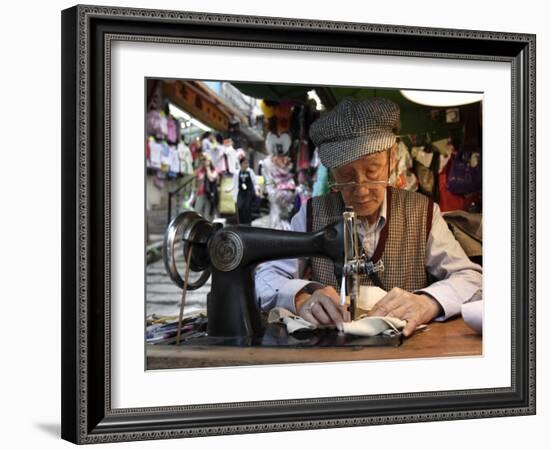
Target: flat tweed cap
x=354, y=129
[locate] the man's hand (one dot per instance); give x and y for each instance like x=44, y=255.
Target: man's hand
x=415, y=309
x=321, y=308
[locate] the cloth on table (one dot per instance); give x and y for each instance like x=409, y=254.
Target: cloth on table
x=374, y=325
x=292, y=322
x=472, y=313
x=364, y=326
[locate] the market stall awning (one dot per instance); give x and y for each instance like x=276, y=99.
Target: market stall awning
x=201, y=102
x=329, y=95
x=415, y=119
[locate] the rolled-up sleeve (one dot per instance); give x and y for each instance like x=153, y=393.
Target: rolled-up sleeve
x=460, y=279
x=276, y=281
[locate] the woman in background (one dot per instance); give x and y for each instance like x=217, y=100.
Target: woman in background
x=206, y=188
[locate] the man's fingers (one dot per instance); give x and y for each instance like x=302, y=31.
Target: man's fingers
x=384, y=305
x=399, y=313
x=333, y=311
x=410, y=327
x=388, y=307
x=329, y=291
x=320, y=314
x=307, y=315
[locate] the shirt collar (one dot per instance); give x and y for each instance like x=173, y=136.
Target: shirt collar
x=380, y=221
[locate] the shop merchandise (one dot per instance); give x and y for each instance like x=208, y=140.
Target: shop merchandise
x=171, y=130
x=216, y=153
x=163, y=124
x=302, y=158
x=174, y=162
x=153, y=124
x=403, y=177
x=155, y=154
x=231, y=156
x=186, y=158
x=464, y=175
x=277, y=145
x=449, y=201
x=320, y=187
x=165, y=159
x=280, y=187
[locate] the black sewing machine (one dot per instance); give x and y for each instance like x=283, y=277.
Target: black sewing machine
x=230, y=255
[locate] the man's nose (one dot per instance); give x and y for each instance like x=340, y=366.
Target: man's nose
x=362, y=188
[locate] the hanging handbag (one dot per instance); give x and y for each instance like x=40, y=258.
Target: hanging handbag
x=465, y=172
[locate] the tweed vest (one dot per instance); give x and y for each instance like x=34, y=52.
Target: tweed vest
x=402, y=242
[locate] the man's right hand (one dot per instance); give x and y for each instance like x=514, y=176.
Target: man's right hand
x=322, y=308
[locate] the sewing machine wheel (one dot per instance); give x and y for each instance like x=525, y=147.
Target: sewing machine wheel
x=188, y=231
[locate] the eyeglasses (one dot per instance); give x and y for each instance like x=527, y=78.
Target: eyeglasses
x=352, y=185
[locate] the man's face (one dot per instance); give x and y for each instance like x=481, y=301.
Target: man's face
x=365, y=198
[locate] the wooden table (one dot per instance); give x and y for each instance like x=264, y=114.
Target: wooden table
x=452, y=338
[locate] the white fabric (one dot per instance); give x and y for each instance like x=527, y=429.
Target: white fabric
x=274, y=142
x=174, y=160
x=292, y=322
x=155, y=152
x=368, y=297
x=165, y=155
x=370, y=234
x=364, y=326
x=372, y=326
x=186, y=158
x=423, y=157
x=232, y=159
x=444, y=146
x=472, y=313
x=216, y=153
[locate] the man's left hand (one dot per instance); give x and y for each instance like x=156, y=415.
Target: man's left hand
x=404, y=305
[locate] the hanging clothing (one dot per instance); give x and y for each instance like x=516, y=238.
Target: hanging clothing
x=153, y=124
x=303, y=156
x=165, y=157
x=232, y=159
x=163, y=125
x=280, y=187
x=174, y=161
x=403, y=177
x=155, y=154
x=171, y=130
x=186, y=159
x=277, y=145
x=216, y=153
x=448, y=201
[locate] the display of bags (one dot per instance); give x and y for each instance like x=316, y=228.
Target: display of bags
x=227, y=203
x=465, y=172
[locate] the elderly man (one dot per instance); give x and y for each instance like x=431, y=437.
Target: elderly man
x=427, y=274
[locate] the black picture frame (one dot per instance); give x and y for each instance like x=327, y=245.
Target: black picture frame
x=87, y=415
